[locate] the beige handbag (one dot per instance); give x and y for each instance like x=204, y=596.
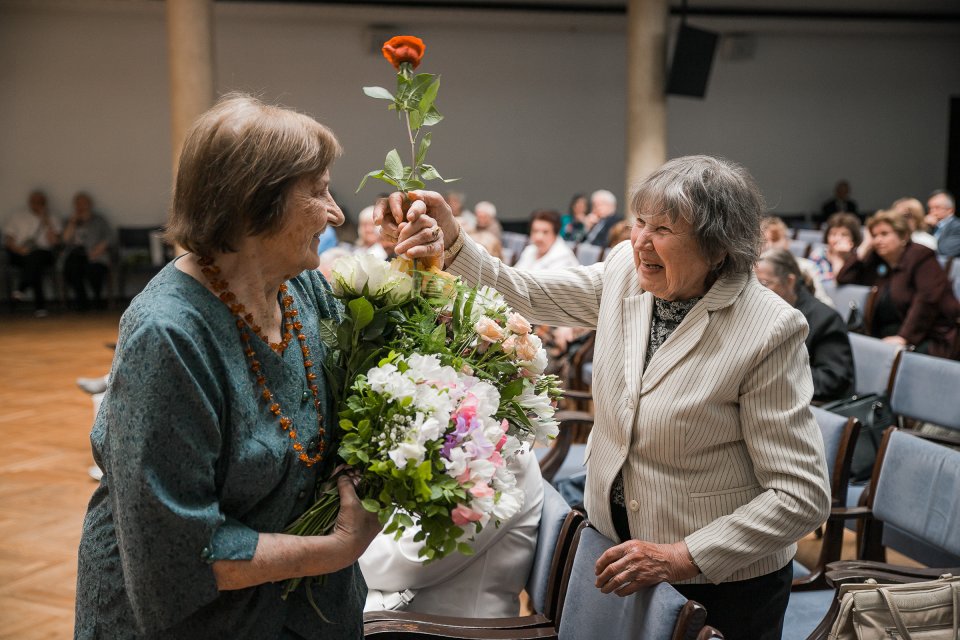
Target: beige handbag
x=914, y=611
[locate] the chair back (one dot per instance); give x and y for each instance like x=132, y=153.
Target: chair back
x=839, y=436
x=925, y=389
x=799, y=248
x=953, y=274
x=649, y=614
x=810, y=236
x=850, y=299
x=917, y=498
x=553, y=544
x=514, y=241
x=874, y=362
x=588, y=253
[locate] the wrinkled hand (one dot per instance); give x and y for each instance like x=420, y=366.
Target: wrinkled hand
x=355, y=527
x=635, y=564
x=414, y=230
x=864, y=249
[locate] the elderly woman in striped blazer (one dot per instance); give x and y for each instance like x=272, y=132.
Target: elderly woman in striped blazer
x=705, y=462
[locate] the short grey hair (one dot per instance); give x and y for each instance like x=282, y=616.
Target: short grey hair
x=605, y=195
x=720, y=200
x=484, y=204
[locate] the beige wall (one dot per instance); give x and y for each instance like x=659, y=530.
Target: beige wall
x=535, y=106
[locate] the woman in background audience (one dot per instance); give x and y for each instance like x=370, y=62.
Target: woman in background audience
x=368, y=235
x=912, y=211
x=831, y=360
x=841, y=235
x=546, y=250
x=776, y=235
x=915, y=304
x=572, y=224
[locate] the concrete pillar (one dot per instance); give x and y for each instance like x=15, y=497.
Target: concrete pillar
x=646, y=86
x=190, y=52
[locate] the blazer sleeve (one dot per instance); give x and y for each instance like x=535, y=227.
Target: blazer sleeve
x=560, y=297
x=786, y=448
x=930, y=286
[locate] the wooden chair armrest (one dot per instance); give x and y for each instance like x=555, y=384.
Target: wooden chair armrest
x=577, y=394
x=859, y=570
x=518, y=622
x=395, y=629
x=850, y=513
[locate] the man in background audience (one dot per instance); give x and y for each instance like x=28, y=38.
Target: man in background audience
x=86, y=239
x=839, y=203
x=30, y=238
x=602, y=216
x=941, y=205
x=368, y=235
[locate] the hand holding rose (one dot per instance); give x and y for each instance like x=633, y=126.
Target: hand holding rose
x=413, y=229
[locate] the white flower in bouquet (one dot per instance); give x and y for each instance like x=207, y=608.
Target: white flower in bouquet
x=540, y=405
x=366, y=275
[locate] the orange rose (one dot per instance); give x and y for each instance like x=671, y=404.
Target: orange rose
x=400, y=49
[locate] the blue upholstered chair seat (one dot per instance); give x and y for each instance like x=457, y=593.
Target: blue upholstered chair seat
x=650, y=614
x=806, y=610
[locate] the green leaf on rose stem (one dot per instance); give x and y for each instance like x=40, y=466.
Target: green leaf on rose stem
x=379, y=175
x=404, y=519
x=370, y=505
x=416, y=120
x=424, y=145
x=465, y=549
x=428, y=97
x=376, y=327
x=362, y=312
x=393, y=166
x=378, y=92
x=431, y=117
x=511, y=390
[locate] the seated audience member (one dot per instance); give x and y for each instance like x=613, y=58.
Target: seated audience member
x=573, y=223
x=488, y=231
x=465, y=217
x=546, y=249
x=948, y=240
x=368, y=235
x=776, y=235
x=912, y=211
x=831, y=360
x=841, y=236
x=30, y=238
x=486, y=584
x=618, y=233
x=86, y=239
x=915, y=304
x=839, y=203
x=940, y=206
x=602, y=216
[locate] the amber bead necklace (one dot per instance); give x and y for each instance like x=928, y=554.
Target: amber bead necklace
x=247, y=326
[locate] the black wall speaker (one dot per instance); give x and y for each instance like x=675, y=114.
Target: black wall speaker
x=692, y=59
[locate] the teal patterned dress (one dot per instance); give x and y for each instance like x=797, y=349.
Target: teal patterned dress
x=196, y=467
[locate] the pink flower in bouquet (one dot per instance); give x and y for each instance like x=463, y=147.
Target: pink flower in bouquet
x=509, y=345
x=526, y=348
x=489, y=330
x=463, y=515
x=518, y=324
x=481, y=490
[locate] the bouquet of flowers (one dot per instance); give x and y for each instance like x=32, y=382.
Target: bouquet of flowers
x=438, y=386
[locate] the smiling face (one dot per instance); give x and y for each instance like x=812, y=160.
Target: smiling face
x=667, y=257
x=309, y=209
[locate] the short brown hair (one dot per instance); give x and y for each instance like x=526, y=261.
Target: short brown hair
x=846, y=221
x=239, y=162
x=547, y=215
x=892, y=218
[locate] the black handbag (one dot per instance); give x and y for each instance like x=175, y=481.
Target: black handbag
x=873, y=412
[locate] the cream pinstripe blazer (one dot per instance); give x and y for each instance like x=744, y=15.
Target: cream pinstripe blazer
x=715, y=438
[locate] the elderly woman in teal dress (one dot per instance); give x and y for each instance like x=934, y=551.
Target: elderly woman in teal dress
x=218, y=422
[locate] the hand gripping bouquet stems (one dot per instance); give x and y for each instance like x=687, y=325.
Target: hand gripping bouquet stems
x=438, y=384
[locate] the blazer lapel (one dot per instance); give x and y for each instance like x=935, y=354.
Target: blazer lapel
x=637, y=312
x=688, y=335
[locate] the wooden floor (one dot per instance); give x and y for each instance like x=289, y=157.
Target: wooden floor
x=44, y=456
